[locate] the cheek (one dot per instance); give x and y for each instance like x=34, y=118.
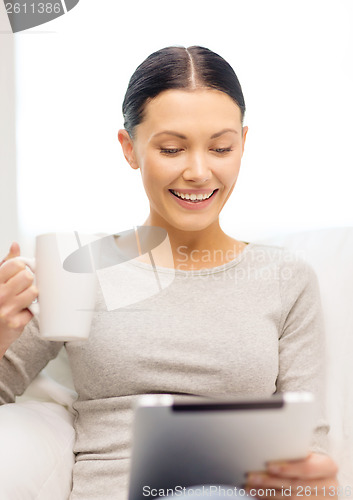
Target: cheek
x=159, y=171
x=154, y=174
x=229, y=172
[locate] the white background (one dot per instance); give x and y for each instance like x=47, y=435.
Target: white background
x=294, y=62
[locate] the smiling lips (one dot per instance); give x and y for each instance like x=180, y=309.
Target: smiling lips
x=193, y=198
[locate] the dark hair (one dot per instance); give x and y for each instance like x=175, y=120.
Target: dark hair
x=178, y=67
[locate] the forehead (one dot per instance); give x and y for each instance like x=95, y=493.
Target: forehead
x=196, y=108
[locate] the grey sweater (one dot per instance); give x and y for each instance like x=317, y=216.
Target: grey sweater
x=252, y=326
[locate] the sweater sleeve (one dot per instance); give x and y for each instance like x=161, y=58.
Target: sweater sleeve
x=24, y=359
x=302, y=339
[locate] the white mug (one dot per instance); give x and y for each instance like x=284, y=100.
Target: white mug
x=66, y=300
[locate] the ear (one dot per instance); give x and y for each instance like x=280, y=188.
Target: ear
x=245, y=131
x=127, y=147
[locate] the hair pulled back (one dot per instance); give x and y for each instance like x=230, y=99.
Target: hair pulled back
x=177, y=67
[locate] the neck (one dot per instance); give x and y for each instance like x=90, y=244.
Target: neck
x=205, y=248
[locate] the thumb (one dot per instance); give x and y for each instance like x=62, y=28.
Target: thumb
x=14, y=252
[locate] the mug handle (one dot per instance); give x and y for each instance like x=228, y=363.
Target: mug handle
x=31, y=263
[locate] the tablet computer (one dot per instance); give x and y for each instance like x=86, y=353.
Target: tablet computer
x=188, y=441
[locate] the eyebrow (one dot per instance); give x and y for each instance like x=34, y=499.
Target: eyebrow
x=181, y=136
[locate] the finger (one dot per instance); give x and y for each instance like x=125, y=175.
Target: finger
x=25, y=299
x=20, y=320
x=19, y=282
x=21, y=302
x=296, y=484
x=13, y=252
x=10, y=268
x=314, y=466
x=266, y=481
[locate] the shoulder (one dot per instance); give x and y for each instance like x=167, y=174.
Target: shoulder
x=296, y=283
x=293, y=271
x=293, y=262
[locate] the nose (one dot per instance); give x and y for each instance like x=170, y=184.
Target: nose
x=197, y=169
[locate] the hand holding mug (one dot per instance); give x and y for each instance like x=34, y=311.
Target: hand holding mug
x=66, y=299
x=17, y=293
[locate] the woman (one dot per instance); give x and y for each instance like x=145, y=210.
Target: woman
x=238, y=318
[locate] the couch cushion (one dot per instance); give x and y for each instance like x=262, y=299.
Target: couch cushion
x=36, y=445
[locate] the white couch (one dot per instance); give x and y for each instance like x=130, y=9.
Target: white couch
x=36, y=432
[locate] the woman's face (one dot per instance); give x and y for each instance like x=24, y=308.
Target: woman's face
x=188, y=149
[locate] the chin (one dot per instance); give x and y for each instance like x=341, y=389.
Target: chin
x=191, y=225
x=171, y=219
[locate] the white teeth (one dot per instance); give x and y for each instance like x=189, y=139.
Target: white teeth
x=192, y=197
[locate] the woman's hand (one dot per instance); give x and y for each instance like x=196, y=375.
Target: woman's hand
x=17, y=292
x=313, y=476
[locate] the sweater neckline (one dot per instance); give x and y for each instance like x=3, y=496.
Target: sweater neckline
x=186, y=272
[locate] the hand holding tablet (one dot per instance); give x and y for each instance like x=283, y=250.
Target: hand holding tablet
x=191, y=441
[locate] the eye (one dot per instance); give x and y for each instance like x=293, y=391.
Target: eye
x=170, y=151
x=222, y=150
